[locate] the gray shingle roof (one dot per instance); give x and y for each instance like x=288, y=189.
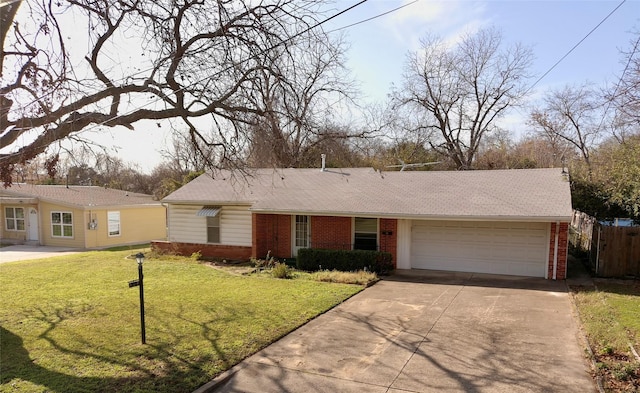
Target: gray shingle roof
x=532, y=194
x=81, y=196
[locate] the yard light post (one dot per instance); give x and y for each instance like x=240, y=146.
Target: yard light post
x=139, y=283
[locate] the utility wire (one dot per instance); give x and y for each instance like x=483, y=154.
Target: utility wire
x=373, y=17
x=283, y=42
x=574, y=47
x=219, y=72
x=615, y=90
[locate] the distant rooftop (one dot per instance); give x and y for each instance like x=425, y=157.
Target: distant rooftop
x=81, y=196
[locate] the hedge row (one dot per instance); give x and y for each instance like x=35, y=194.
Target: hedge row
x=312, y=259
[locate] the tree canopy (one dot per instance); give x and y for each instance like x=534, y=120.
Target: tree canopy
x=145, y=59
x=456, y=93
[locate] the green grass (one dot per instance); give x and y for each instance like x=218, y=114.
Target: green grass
x=610, y=316
x=71, y=324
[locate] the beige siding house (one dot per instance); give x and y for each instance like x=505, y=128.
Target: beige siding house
x=79, y=216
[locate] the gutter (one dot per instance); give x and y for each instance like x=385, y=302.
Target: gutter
x=406, y=216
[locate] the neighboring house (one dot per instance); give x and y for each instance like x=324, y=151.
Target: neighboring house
x=79, y=216
x=511, y=222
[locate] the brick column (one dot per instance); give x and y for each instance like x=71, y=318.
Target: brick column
x=388, y=235
x=563, y=250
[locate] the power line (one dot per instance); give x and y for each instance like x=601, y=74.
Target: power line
x=283, y=42
x=373, y=17
x=574, y=47
x=615, y=90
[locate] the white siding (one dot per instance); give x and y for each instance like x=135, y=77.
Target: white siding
x=187, y=227
x=235, y=226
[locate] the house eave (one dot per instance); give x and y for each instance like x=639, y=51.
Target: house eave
x=208, y=202
x=433, y=217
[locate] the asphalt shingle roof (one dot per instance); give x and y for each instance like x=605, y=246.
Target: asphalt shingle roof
x=81, y=196
x=536, y=194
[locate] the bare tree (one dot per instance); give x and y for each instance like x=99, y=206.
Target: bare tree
x=572, y=114
x=624, y=96
x=189, y=59
x=456, y=93
x=298, y=109
x=185, y=153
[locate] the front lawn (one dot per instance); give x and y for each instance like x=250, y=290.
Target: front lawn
x=72, y=324
x=610, y=316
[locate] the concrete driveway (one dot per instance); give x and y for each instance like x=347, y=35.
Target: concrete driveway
x=428, y=332
x=21, y=252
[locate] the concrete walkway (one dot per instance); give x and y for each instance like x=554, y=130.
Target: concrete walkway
x=428, y=332
x=21, y=252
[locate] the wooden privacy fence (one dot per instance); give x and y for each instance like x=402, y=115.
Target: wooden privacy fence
x=613, y=251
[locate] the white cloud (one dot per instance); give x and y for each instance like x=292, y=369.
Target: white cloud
x=448, y=19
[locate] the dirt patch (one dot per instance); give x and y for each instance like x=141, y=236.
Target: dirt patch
x=237, y=268
x=620, y=373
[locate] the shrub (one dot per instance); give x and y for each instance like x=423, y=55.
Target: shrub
x=281, y=270
x=312, y=259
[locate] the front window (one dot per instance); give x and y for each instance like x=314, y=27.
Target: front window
x=302, y=232
x=14, y=218
x=365, y=234
x=213, y=229
x=62, y=224
x=113, y=223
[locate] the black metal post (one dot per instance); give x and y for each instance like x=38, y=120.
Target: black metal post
x=142, y=327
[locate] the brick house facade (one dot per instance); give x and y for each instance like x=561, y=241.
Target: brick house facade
x=499, y=222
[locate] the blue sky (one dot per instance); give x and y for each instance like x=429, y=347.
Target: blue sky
x=551, y=28
x=378, y=49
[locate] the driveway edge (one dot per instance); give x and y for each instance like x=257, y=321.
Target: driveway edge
x=585, y=341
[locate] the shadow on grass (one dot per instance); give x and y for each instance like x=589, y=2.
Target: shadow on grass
x=17, y=365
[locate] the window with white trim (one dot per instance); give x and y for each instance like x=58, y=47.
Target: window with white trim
x=365, y=234
x=213, y=229
x=14, y=218
x=61, y=224
x=113, y=223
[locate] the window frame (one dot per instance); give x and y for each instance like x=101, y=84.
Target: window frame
x=118, y=223
x=14, y=219
x=215, y=220
x=301, y=227
x=61, y=224
x=376, y=233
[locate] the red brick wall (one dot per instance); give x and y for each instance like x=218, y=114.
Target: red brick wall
x=563, y=249
x=207, y=250
x=271, y=232
x=330, y=232
x=388, y=237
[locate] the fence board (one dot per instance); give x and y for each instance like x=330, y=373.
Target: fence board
x=617, y=253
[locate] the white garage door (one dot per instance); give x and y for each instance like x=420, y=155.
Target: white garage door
x=484, y=247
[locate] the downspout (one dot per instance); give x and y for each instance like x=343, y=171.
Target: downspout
x=555, y=251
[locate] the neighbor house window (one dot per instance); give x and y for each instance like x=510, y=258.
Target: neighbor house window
x=62, y=224
x=14, y=218
x=213, y=229
x=113, y=223
x=365, y=235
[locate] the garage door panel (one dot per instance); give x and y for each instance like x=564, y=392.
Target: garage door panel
x=485, y=247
